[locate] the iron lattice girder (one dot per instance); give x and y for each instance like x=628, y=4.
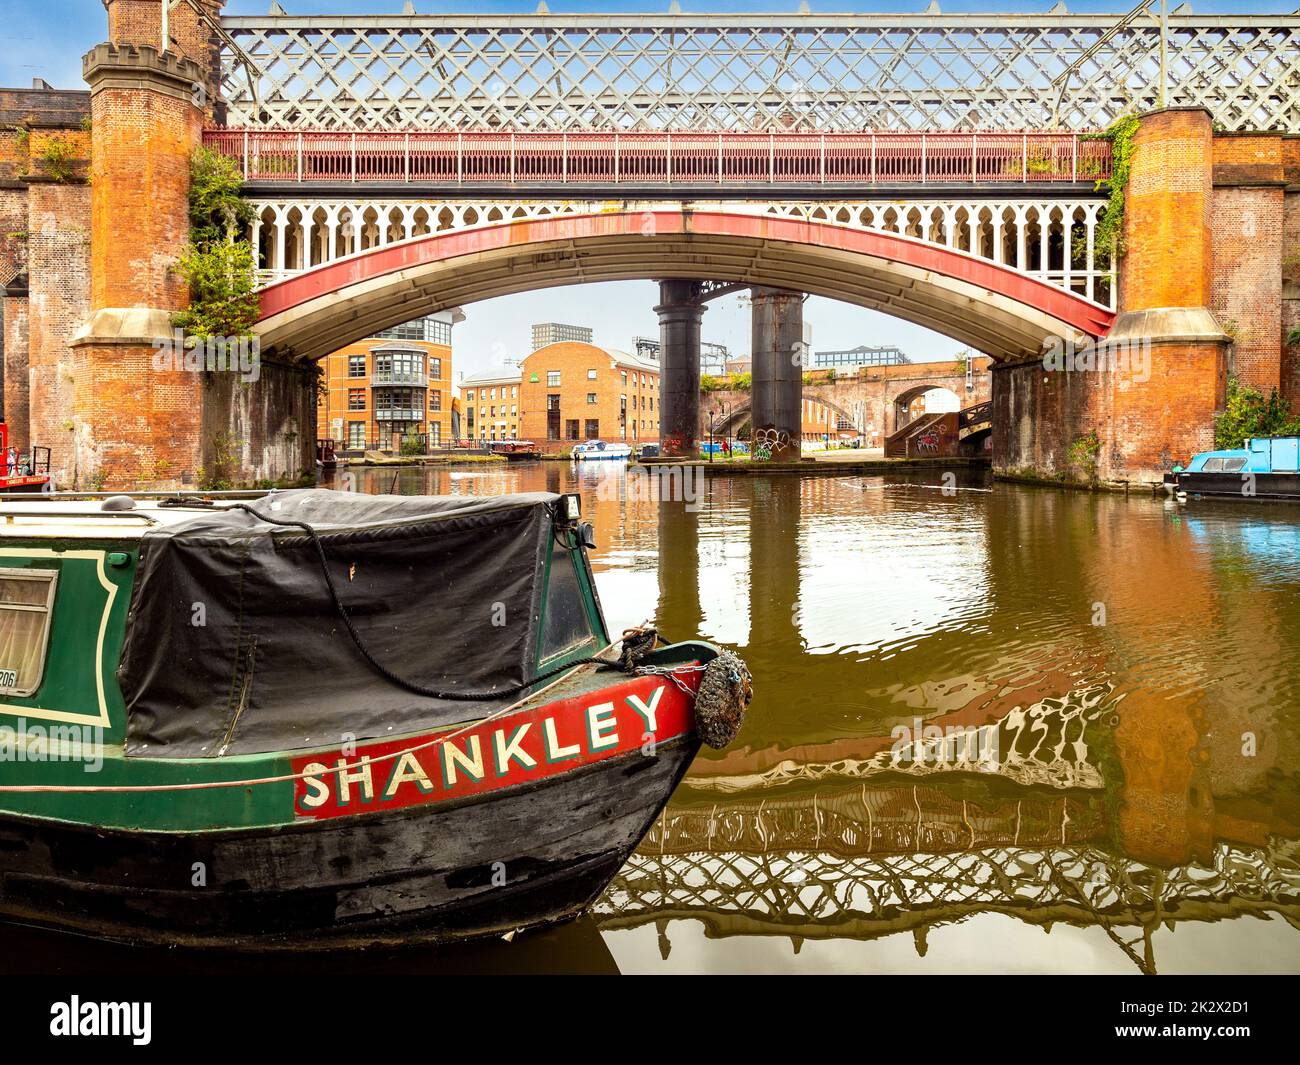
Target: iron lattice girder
x=827, y=72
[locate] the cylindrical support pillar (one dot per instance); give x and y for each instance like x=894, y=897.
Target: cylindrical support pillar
x=680, y=311
x=778, y=356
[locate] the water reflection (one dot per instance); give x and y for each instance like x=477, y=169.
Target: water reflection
x=1129, y=661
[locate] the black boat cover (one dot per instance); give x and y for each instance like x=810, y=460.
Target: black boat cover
x=234, y=645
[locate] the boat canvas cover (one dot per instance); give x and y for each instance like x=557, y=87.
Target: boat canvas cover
x=234, y=645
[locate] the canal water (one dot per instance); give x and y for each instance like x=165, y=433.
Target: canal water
x=995, y=728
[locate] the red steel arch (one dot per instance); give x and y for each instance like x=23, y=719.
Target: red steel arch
x=992, y=307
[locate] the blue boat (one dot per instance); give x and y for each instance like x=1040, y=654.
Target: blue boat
x=1266, y=468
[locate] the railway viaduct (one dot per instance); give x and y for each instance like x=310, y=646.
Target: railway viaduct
x=402, y=164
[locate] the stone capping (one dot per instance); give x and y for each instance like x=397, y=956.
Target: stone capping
x=140, y=67
x=1177, y=107
x=1166, y=325
x=131, y=326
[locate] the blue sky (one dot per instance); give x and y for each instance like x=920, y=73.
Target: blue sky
x=46, y=38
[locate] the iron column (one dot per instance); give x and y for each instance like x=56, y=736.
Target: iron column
x=680, y=311
x=779, y=356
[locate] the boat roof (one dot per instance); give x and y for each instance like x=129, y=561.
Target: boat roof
x=124, y=516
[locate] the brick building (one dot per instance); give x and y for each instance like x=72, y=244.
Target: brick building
x=574, y=391
x=491, y=401
x=396, y=384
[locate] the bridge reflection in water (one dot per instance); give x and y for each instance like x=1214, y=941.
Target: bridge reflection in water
x=1076, y=785
x=1106, y=688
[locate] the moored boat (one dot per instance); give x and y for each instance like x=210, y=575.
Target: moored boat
x=23, y=472
x=593, y=450
x=516, y=450
x=1266, y=468
x=318, y=719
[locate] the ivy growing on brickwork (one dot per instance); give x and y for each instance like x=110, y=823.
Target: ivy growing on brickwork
x=1110, y=228
x=1248, y=413
x=218, y=263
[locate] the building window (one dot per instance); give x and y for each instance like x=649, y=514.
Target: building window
x=591, y=375
x=552, y=378
x=625, y=379
x=469, y=396
x=399, y=366
x=571, y=428
x=356, y=399
x=593, y=428
x=356, y=434
x=26, y=600
x=435, y=433
x=435, y=367
x=591, y=397
x=435, y=399
x=514, y=412
x=356, y=366
x=514, y=392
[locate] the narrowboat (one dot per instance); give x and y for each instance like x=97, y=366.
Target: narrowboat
x=516, y=450
x=23, y=471
x=593, y=450
x=317, y=719
x=1266, y=468
x=327, y=458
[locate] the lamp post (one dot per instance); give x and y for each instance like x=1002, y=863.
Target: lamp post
x=712, y=414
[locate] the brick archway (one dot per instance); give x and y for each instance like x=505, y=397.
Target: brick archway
x=988, y=306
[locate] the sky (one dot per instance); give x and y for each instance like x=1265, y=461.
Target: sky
x=46, y=38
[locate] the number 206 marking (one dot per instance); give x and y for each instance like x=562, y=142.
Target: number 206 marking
x=8, y=678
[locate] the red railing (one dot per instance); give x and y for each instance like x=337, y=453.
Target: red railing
x=663, y=158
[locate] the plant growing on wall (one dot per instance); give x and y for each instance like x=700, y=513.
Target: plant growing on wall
x=57, y=160
x=1247, y=413
x=1083, y=454
x=1110, y=228
x=218, y=263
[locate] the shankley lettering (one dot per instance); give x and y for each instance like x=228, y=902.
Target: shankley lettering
x=505, y=752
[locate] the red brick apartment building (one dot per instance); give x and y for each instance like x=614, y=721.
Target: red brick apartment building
x=386, y=388
x=572, y=391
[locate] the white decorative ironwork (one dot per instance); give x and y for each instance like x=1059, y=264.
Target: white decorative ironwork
x=1052, y=240
x=753, y=72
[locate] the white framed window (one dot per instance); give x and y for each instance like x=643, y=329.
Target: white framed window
x=26, y=607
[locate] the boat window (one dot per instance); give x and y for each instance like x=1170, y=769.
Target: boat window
x=26, y=602
x=565, y=623
x=1233, y=465
x=1213, y=466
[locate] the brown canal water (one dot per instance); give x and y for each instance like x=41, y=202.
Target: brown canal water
x=997, y=728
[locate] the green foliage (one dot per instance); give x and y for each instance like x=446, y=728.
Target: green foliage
x=219, y=268
x=1083, y=454
x=709, y=383
x=411, y=445
x=742, y=382
x=1248, y=414
x=223, y=302
x=1110, y=229
x=57, y=160
x=225, y=461
x=217, y=212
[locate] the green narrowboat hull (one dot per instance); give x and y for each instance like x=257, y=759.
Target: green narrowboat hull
x=500, y=821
